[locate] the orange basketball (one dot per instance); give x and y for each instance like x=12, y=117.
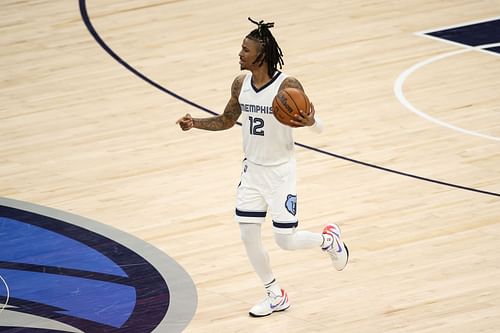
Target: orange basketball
x=287, y=103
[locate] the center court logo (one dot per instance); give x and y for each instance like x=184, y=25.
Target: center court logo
x=64, y=273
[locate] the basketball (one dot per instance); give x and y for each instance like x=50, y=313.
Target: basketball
x=287, y=103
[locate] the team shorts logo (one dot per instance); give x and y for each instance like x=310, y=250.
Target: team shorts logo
x=291, y=204
x=64, y=273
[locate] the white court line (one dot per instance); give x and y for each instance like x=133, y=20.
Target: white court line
x=398, y=89
x=8, y=294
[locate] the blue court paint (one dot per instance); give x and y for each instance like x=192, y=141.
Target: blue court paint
x=106, y=303
x=85, y=275
x=19, y=238
x=482, y=33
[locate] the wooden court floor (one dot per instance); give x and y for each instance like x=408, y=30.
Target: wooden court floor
x=81, y=133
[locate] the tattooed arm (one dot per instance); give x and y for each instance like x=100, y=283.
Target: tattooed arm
x=221, y=122
x=291, y=82
x=303, y=119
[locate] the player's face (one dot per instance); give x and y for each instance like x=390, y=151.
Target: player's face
x=250, y=50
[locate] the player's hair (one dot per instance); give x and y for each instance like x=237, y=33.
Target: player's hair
x=270, y=51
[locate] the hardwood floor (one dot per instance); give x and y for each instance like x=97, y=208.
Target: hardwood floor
x=83, y=134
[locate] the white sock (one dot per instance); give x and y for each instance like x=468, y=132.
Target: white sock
x=273, y=287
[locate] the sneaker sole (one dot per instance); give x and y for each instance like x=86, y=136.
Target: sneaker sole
x=268, y=314
x=347, y=261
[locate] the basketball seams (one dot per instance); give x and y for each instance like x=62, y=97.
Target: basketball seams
x=281, y=106
x=305, y=100
x=287, y=96
x=281, y=113
x=292, y=99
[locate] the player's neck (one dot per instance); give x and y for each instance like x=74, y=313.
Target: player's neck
x=260, y=78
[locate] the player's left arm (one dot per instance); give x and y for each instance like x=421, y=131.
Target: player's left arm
x=303, y=119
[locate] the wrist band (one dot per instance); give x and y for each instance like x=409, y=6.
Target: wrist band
x=317, y=126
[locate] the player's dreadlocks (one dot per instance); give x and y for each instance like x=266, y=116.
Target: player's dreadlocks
x=270, y=51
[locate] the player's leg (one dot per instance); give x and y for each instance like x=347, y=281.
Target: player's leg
x=330, y=241
x=285, y=223
x=282, y=199
x=257, y=254
x=250, y=214
x=283, y=208
x=297, y=239
x=276, y=299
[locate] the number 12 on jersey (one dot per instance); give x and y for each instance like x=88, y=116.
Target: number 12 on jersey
x=256, y=126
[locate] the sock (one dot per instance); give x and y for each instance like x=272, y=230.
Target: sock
x=273, y=287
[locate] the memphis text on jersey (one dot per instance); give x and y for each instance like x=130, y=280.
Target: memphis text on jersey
x=256, y=108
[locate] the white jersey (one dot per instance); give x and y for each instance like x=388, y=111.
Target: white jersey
x=265, y=140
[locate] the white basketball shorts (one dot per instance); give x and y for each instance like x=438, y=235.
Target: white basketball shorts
x=270, y=189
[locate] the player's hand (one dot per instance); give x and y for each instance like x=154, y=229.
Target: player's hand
x=304, y=119
x=185, y=122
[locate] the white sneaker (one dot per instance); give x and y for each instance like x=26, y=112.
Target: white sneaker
x=333, y=245
x=272, y=303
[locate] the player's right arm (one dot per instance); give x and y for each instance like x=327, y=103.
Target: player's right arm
x=221, y=122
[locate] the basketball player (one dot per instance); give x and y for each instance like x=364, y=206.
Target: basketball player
x=268, y=182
